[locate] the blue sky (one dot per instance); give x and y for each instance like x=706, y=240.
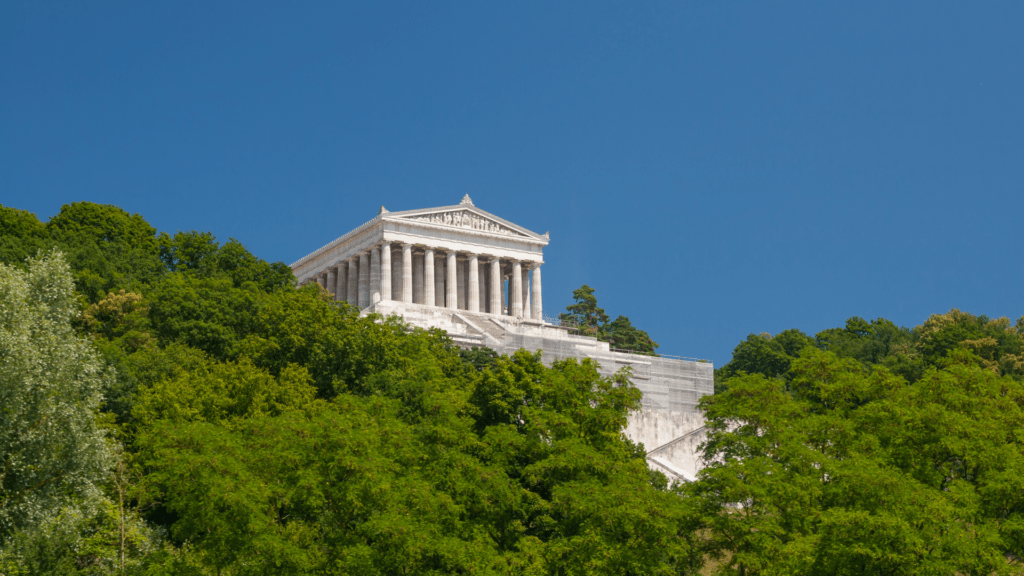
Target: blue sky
x=712, y=169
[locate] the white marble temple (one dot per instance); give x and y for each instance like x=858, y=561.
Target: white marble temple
x=461, y=236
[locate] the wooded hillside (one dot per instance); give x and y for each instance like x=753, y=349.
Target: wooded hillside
x=171, y=404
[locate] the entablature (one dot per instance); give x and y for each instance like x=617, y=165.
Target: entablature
x=461, y=228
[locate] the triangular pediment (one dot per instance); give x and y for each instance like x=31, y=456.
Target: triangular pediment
x=467, y=218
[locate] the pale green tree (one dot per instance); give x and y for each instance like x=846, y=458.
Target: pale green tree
x=53, y=455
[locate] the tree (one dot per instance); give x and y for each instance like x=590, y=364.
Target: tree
x=866, y=342
x=52, y=453
x=998, y=344
x=479, y=357
x=847, y=471
x=763, y=354
x=593, y=321
x=620, y=333
x=198, y=253
x=584, y=313
x=108, y=248
x=224, y=394
x=21, y=235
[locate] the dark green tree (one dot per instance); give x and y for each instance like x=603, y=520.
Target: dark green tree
x=763, y=354
x=620, y=333
x=593, y=321
x=108, y=248
x=199, y=254
x=479, y=358
x=585, y=313
x=21, y=235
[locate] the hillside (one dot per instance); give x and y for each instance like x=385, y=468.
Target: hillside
x=173, y=405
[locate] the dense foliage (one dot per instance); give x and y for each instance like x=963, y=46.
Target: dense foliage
x=591, y=320
x=173, y=405
x=253, y=428
x=51, y=383
x=869, y=449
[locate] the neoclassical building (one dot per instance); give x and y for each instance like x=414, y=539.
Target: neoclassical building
x=454, y=257
x=478, y=277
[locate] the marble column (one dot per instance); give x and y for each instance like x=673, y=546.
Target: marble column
x=460, y=267
x=342, y=294
x=375, y=275
x=428, y=277
x=526, y=291
x=407, y=273
x=364, y=280
x=330, y=281
x=396, y=275
x=505, y=308
x=439, y=274
x=473, y=283
x=495, y=307
x=353, y=281
x=516, y=288
x=535, y=299
x=485, y=292
x=385, y=271
x=320, y=280
x=451, y=299
x=417, y=278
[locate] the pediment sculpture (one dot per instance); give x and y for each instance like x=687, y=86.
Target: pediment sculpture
x=466, y=219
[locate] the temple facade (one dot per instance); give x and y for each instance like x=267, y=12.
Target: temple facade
x=478, y=277
x=454, y=257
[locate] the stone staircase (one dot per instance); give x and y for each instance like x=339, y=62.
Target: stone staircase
x=492, y=332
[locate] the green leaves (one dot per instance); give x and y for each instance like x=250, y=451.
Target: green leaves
x=52, y=453
x=523, y=468
x=225, y=394
x=853, y=472
x=21, y=235
x=592, y=321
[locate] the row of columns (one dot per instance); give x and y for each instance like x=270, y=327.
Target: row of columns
x=445, y=281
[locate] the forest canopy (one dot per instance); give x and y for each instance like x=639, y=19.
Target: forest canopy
x=172, y=404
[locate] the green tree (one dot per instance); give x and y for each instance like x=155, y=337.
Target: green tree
x=584, y=313
x=108, y=248
x=857, y=472
x=763, y=354
x=620, y=333
x=192, y=250
x=21, y=235
x=479, y=358
x=224, y=394
x=998, y=344
x=199, y=253
x=104, y=223
x=525, y=472
x=590, y=506
x=51, y=383
x=593, y=321
x=210, y=314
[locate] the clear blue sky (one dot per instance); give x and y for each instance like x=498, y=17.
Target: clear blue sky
x=712, y=169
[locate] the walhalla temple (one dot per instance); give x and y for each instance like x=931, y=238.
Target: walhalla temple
x=478, y=277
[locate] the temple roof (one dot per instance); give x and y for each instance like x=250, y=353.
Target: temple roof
x=465, y=207
x=462, y=216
